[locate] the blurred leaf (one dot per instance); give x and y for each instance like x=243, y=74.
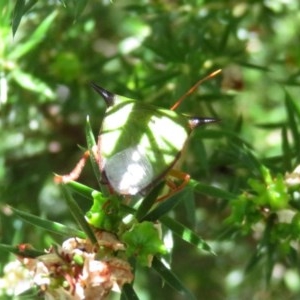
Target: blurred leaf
x=211, y=191
x=63, y=2
x=189, y=203
x=66, y=67
x=186, y=234
x=32, y=293
x=18, y=13
x=35, y=38
x=254, y=66
x=148, y=201
x=6, y=8
x=293, y=114
x=78, y=215
x=29, y=82
x=170, y=278
x=22, y=250
x=81, y=189
x=79, y=7
x=128, y=292
x=255, y=258
x=164, y=207
x=287, y=153
x=215, y=134
x=49, y=225
x=92, y=147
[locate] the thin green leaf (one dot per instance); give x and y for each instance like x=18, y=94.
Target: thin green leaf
x=78, y=215
x=238, y=124
x=265, y=247
x=270, y=126
x=270, y=262
x=245, y=157
x=289, y=82
x=48, y=225
x=186, y=234
x=81, y=189
x=6, y=8
x=127, y=209
x=164, y=207
x=254, y=260
x=293, y=256
x=18, y=250
x=212, y=191
x=20, y=10
x=170, y=278
x=253, y=66
x=293, y=106
x=227, y=33
x=18, y=13
x=63, y=2
x=190, y=206
x=79, y=7
x=90, y=138
x=200, y=149
x=32, y=293
x=287, y=153
x=129, y=293
x=148, y=202
x=37, y=36
x=220, y=133
x=31, y=83
x=91, y=143
x=155, y=80
x=127, y=290
x=292, y=112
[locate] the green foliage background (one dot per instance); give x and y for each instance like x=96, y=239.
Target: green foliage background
x=154, y=51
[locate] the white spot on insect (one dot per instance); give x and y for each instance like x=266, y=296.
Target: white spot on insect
x=129, y=171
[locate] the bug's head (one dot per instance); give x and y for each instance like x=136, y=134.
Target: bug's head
x=197, y=121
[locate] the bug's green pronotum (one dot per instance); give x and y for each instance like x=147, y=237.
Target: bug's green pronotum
x=138, y=143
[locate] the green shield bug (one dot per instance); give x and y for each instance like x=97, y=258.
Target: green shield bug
x=138, y=143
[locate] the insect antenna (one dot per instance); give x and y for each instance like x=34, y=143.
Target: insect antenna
x=193, y=88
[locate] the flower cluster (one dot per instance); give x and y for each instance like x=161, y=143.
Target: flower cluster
x=80, y=270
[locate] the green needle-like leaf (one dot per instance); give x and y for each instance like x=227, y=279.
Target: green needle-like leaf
x=79, y=7
x=293, y=113
x=128, y=293
x=212, y=191
x=186, y=234
x=49, y=225
x=32, y=253
x=91, y=143
x=31, y=83
x=148, y=201
x=36, y=37
x=17, y=15
x=287, y=151
x=78, y=215
x=20, y=9
x=170, y=278
x=164, y=207
x=81, y=189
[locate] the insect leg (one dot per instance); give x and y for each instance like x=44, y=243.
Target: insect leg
x=75, y=173
x=184, y=177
